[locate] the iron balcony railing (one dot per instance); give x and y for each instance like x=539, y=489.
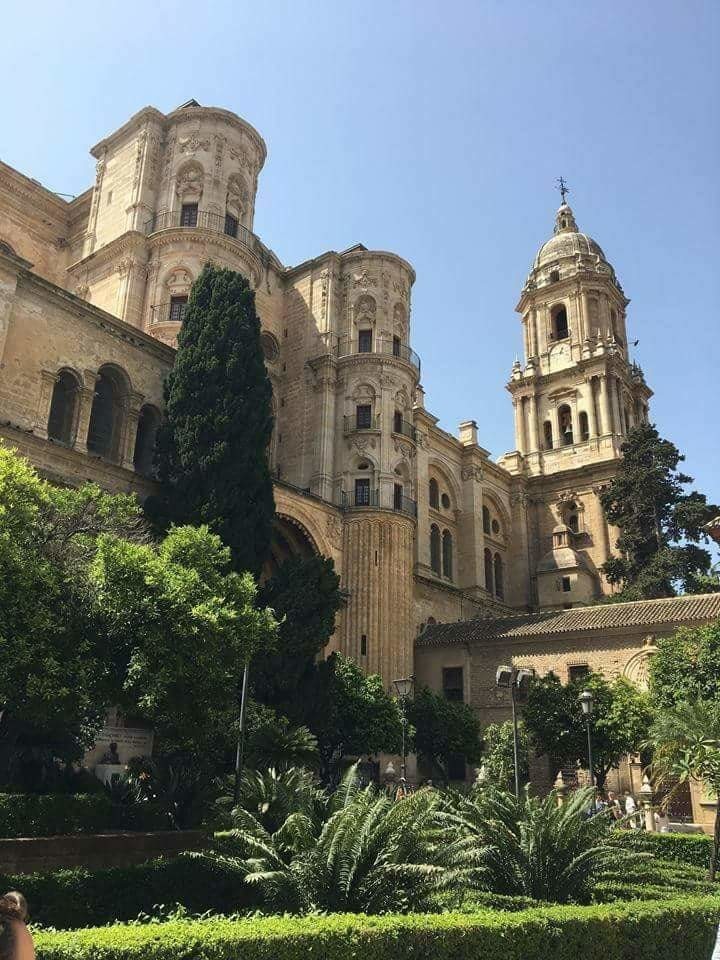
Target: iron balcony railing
x=202, y=220
x=364, y=497
x=353, y=424
x=405, y=429
x=167, y=312
x=347, y=347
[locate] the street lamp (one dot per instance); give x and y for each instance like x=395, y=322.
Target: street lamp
x=515, y=679
x=404, y=689
x=587, y=702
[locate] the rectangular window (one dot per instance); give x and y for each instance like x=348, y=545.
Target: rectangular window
x=364, y=341
x=566, y=585
x=396, y=346
x=189, y=215
x=452, y=678
x=231, y=225
x=363, y=646
x=397, y=422
x=178, y=306
x=362, y=492
x=578, y=671
x=398, y=496
x=363, y=416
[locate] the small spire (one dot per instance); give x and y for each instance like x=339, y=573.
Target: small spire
x=563, y=188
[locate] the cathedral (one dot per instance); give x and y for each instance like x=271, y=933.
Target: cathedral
x=450, y=560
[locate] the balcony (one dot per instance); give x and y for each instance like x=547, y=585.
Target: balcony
x=404, y=429
x=357, y=499
x=202, y=220
x=347, y=347
x=355, y=424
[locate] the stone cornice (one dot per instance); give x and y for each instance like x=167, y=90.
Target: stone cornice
x=97, y=317
x=132, y=240
x=354, y=255
x=171, y=237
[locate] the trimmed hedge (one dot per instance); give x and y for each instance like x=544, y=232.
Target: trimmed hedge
x=671, y=930
x=46, y=815
x=691, y=848
x=83, y=898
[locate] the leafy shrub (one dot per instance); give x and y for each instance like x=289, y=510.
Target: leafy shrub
x=670, y=930
x=45, y=815
x=81, y=897
x=691, y=848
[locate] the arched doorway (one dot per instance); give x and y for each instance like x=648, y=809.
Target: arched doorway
x=290, y=538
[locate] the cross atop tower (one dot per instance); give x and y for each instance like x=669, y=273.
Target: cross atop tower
x=563, y=188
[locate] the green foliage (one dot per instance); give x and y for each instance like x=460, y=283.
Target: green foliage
x=669, y=930
x=180, y=626
x=305, y=595
x=686, y=746
x=660, y=524
x=690, y=849
x=212, y=448
x=350, y=713
x=532, y=847
x=272, y=796
x=81, y=897
x=46, y=815
x=498, y=758
x=372, y=854
x=687, y=666
x=54, y=679
x=554, y=719
x=444, y=729
x=272, y=741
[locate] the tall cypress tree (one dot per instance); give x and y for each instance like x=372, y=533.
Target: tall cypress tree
x=660, y=524
x=212, y=448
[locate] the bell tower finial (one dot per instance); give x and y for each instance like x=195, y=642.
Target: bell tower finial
x=563, y=188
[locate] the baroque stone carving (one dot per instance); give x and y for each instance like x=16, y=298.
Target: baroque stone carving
x=334, y=529
x=190, y=182
x=363, y=279
x=192, y=144
x=474, y=472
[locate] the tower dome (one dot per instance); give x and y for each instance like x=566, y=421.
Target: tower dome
x=567, y=241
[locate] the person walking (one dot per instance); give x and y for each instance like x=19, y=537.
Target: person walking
x=631, y=810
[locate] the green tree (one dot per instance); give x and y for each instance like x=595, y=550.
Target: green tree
x=444, y=730
x=179, y=625
x=212, y=448
x=55, y=681
x=686, y=666
x=554, y=719
x=305, y=595
x=498, y=757
x=685, y=739
x=660, y=524
x=350, y=713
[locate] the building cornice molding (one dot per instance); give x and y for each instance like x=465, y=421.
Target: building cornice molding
x=30, y=191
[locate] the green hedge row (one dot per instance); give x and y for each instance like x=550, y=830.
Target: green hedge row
x=45, y=815
x=83, y=898
x=690, y=848
x=671, y=930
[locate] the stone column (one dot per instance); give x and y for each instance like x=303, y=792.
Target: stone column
x=592, y=419
x=87, y=395
x=533, y=333
x=48, y=380
x=519, y=425
x=324, y=390
x=533, y=424
x=129, y=428
x=615, y=399
x=605, y=405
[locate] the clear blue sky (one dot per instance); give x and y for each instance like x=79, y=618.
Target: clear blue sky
x=436, y=130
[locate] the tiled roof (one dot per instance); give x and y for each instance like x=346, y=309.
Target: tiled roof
x=673, y=610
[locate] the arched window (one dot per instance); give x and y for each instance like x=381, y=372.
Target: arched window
x=554, y=276
x=573, y=522
x=434, y=494
x=584, y=426
x=489, y=581
x=548, y=434
x=565, y=424
x=559, y=323
x=499, y=586
x=105, y=430
x=435, y=549
x=148, y=423
x=447, y=554
x=63, y=408
x=486, y=520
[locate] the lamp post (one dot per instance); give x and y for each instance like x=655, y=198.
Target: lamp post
x=514, y=679
x=404, y=689
x=587, y=702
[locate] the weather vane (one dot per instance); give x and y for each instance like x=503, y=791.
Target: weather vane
x=563, y=188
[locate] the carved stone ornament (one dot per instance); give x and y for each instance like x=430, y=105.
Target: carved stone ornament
x=637, y=669
x=405, y=449
x=334, y=530
x=192, y=144
x=190, y=182
x=83, y=291
x=473, y=472
x=237, y=193
x=219, y=151
x=364, y=279
x=400, y=289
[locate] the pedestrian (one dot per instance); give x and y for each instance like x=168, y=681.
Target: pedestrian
x=16, y=942
x=614, y=806
x=631, y=810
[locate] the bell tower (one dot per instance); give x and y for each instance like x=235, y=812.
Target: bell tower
x=576, y=396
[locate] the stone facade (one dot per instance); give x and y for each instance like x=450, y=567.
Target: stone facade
x=423, y=526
